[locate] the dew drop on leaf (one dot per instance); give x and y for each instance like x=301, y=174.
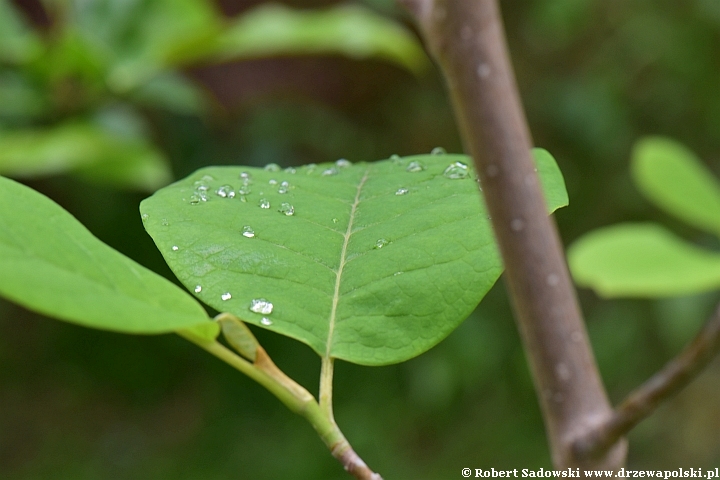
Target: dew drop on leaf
x=248, y=232
x=226, y=191
x=266, y=321
x=395, y=158
x=272, y=181
x=264, y=203
x=291, y=170
x=226, y=296
x=244, y=190
x=260, y=305
x=175, y=248
x=194, y=199
x=415, y=166
x=335, y=220
x=207, y=178
x=328, y=172
x=287, y=209
x=381, y=243
x=456, y=170
x=201, y=186
x=438, y=151
x=401, y=191
x=198, y=288
x=245, y=177
x=272, y=167
x=164, y=222
x=144, y=217
x=310, y=167
x=343, y=163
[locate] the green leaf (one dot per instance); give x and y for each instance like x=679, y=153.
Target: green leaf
x=642, y=260
x=53, y=265
x=362, y=270
x=350, y=30
x=672, y=177
x=551, y=179
x=84, y=148
x=18, y=43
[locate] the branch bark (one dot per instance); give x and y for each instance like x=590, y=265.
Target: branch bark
x=466, y=38
x=643, y=401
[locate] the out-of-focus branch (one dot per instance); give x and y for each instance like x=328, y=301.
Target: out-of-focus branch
x=674, y=376
x=467, y=39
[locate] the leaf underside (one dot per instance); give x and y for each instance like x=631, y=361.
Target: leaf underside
x=642, y=260
x=52, y=264
x=376, y=264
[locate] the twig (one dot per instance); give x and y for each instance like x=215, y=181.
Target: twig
x=640, y=403
x=466, y=38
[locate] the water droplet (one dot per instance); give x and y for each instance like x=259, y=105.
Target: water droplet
x=285, y=184
x=290, y=170
x=248, y=232
x=415, y=166
x=198, y=288
x=310, y=167
x=144, y=217
x=330, y=172
x=397, y=273
x=244, y=190
x=343, y=163
x=194, y=199
x=226, y=191
x=272, y=167
x=287, y=209
x=243, y=198
x=266, y=321
x=260, y=305
x=401, y=191
x=284, y=187
x=456, y=170
x=335, y=220
x=164, y=222
x=272, y=181
x=175, y=248
x=264, y=203
x=245, y=177
x=201, y=186
x=395, y=158
x=226, y=296
x=381, y=243
x=207, y=178
x=438, y=151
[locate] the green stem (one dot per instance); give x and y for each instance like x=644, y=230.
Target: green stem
x=326, y=387
x=296, y=398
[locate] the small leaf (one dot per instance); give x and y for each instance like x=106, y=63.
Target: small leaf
x=372, y=263
x=85, y=148
x=53, y=265
x=238, y=335
x=642, y=260
x=673, y=178
x=347, y=29
x=551, y=179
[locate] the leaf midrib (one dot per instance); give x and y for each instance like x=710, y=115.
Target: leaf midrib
x=343, y=253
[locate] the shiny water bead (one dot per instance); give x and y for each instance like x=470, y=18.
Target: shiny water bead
x=244, y=190
x=343, y=163
x=264, y=203
x=207, y=178
x=310, y=167
x=198, y=288
x=291, y=170
x=395, y=158
x=438, y=151
x=272, y=167
x=456, y=170
x=287, y=209
x=144, y=217
x=335, y=220
x=226, y=296
x=272, y=181
x=401, y=191
x=245, y=177
x=415, y=166
x=260, y=305
x=226, y=191
x=194, y=199
x=164, y=222
x=284, y=187
x=381, y=243
x=248, y=232
x=175, y=248
x=266, y=321
x=328, y=172
x=201, y=186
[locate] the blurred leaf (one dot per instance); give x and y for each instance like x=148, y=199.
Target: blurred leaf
x=642, y=260
x=372, y=263
x=53, y=265
x=673, y=178
x=172, y=92
x=551, y=179
x=18, y=43
x=273, y=30
x=18, y=98
x=85, y=148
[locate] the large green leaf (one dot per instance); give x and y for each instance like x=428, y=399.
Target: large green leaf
x=351, y=30
x=672, y=176
x=642, y=260
x=50, y=263
x=373, y=263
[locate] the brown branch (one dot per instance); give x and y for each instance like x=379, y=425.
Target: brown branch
x=466, y=38
x=643, y=401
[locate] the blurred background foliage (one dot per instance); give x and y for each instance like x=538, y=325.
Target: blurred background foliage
x=102, y=101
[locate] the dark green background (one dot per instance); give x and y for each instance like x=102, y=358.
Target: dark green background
x=595, y=75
